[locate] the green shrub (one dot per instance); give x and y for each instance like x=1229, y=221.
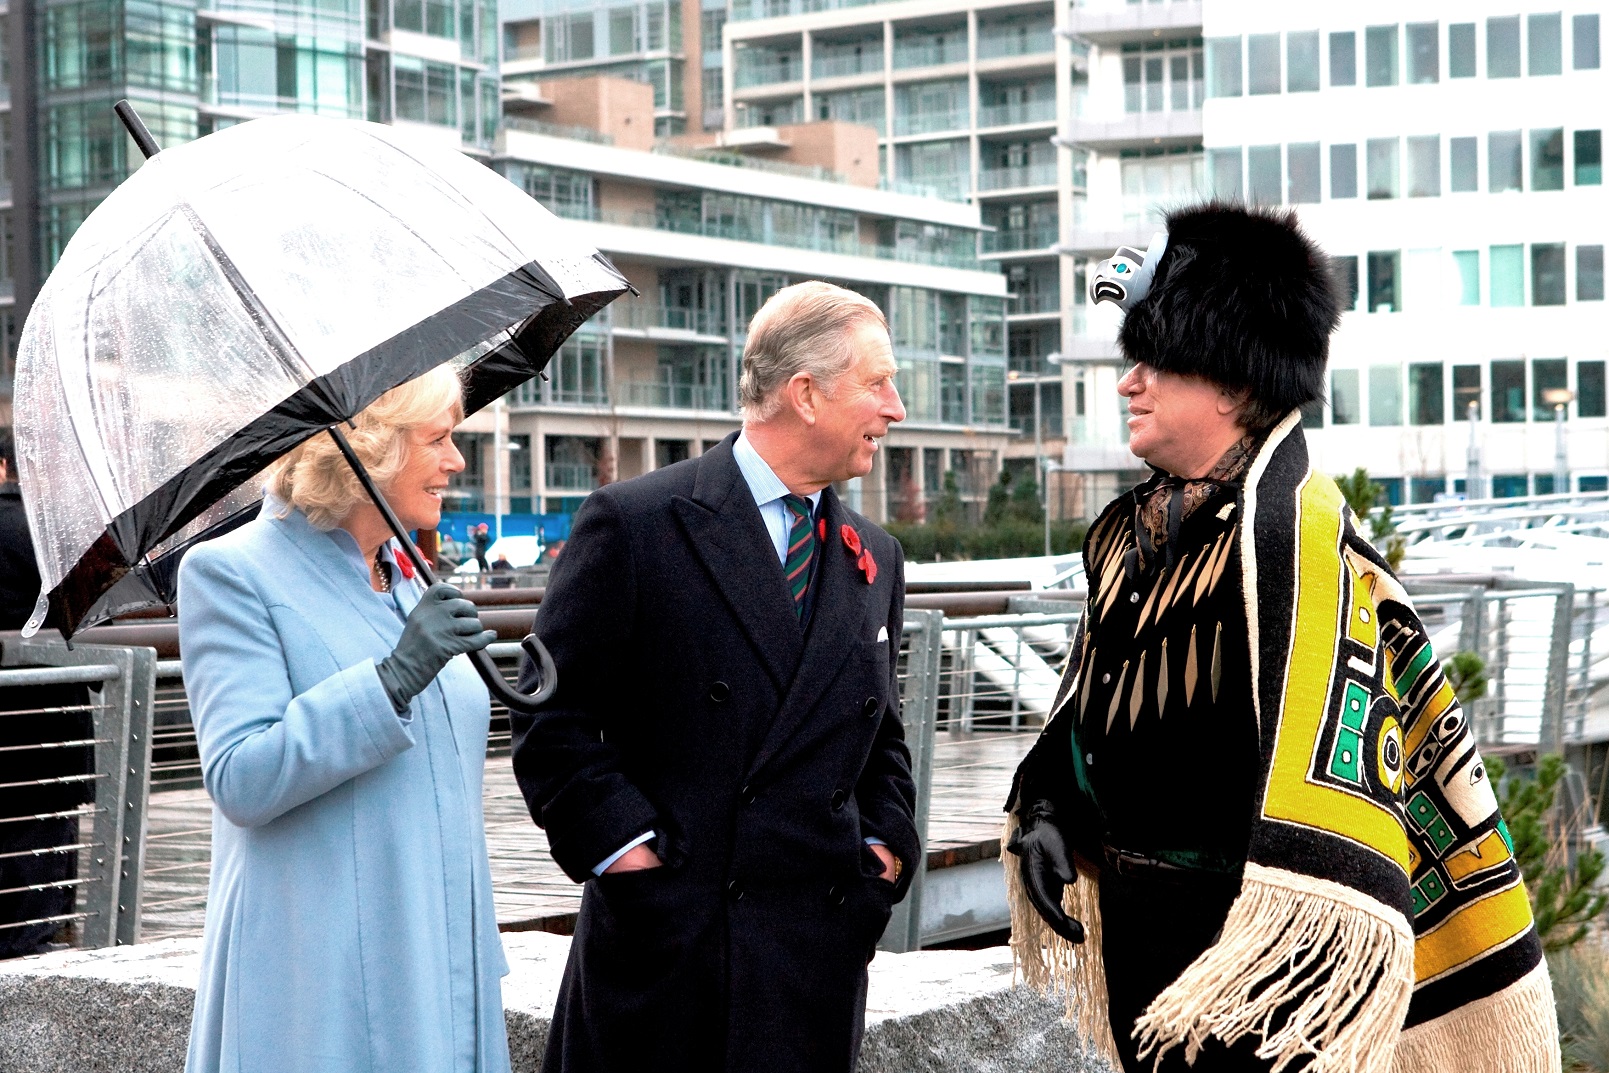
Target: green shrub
x=1581, y=995
x=948, y=541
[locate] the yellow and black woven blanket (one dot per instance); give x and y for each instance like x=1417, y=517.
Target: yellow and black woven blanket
x=1382, y=924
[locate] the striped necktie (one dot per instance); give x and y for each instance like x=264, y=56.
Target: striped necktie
x=801, y=548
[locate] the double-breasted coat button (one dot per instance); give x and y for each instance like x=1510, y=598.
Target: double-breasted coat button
x=835, y=895
x=1134, y=597
x=871, y=706
x=720, y=692
x=748, y=795
x=838, y=799
x=735, y=891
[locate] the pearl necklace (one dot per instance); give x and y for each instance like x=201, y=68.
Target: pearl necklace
x=382, y=573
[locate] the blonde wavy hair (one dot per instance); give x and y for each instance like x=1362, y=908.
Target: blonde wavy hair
x=315, y=479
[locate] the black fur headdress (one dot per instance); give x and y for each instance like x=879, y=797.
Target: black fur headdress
x=1241, y=298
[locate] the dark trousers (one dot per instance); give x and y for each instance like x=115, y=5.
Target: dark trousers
x=1153, y=927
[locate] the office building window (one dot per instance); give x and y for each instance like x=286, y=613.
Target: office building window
x=1343, y=171
x=1385, y=275
x=1462, y=159
x=1588, y=157
x=1593, y=484
x=1547, y=274
x=1466, y=391
x=1547, y=159
x=1262, y=174
x=1301, y=61
x=1426, y=400
x=1507, y=267
x=1424, y=166
x=1510, y=485
x=1302, y=164
x=1425, y=489
x=1503, y=47
x=1589, y=394
x=1313, y=414
x=1508, y=392
x=1382, y=168
x=1424, y=52
x=1380, y=55
x=1461, y=50
x=1262, y=64
x=1547, y=376
x=1544, y=44
x=1346, y=406
x=1584, y=42
x=1344, y=59
x=1503, y=163
x=1225, y=166
x=1345, y=271
x=1468, y=263
x=1385, y=395
x=1589, y=273
x=1223, y=66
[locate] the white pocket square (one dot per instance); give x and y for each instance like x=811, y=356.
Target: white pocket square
x=882, y=633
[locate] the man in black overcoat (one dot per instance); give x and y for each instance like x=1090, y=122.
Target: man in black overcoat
x=723, y=763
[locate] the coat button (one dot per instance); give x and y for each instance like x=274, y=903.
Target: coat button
x=871, y=706
x=720, y=692
x=734, y=891
x=835, y=895
x=748, y=795
x=1134, y=597
x=838, y=799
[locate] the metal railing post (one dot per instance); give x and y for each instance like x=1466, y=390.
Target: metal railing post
x=919, y=707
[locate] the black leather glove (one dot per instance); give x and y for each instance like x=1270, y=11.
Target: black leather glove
x=442, y=626
x=1047, y=868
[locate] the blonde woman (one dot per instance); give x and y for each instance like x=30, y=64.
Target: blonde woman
x=342, y=736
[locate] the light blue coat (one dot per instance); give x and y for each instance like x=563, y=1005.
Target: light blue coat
x=350, y=925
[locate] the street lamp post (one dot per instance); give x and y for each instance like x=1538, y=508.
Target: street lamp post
x=1559, y=398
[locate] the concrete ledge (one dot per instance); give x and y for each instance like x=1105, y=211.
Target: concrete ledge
x=128, y=1011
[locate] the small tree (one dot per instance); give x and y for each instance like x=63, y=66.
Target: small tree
x=947, y=511
x=1364, y=496
x=1563, y=898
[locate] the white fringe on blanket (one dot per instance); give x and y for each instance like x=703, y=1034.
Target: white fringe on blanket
x=1340, y=960
x=1513, y=1031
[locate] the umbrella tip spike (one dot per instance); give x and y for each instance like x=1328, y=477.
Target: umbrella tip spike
x=136, y=128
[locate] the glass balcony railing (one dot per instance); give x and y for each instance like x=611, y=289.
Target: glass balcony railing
x=1016, y=112
x=558, y=130
x=1015, y=41
x=932, y=52
x=571, y=476
x=670, y=396
x=1047, y=301
x=766, y=70
x=646, y=315
x=743, y=10
x=844, y=64
x=1032, y=238
x=1042, y=174
x=931, y=122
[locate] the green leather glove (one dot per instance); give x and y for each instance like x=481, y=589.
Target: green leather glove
x=442, y=626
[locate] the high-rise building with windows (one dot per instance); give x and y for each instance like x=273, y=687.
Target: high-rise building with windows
x=194, y=66
x=1450, y=163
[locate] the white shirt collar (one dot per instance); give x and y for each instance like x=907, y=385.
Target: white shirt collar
x=762, y=480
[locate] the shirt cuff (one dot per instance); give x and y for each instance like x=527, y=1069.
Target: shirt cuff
x=873, y=840
x=600, y=869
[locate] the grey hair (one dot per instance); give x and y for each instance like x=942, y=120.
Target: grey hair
x=804, y=328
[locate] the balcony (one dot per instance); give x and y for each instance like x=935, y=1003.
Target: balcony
x=825, y=64
x=762, y=68
x=651, y=319
x=931, y=52
x=1024, y=175
x=1016, y=113
x=1113, y=22
x=1034, y=303
x=571, y=476
x=1142, y=130
x=667, y=396
x=932, y=122
x=1027, y=240
x=1001, y=42
x=744, y=10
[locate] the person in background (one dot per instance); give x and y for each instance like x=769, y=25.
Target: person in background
x=502, y=572
x=480, y=540
x=342, y=732
x=448, y=551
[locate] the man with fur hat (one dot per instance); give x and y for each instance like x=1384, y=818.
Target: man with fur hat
x=1256, y=833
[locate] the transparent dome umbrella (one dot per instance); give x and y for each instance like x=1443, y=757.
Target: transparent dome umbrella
x=244, y=292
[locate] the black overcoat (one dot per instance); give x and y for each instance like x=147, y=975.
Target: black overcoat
x=691, y=703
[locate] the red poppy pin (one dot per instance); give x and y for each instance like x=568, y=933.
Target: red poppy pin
x=863, y=561
x=405, y=565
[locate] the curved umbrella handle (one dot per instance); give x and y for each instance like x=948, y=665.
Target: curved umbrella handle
x=496, y=684
x=507, y=695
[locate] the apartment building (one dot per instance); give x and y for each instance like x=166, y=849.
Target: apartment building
x=706, y=236
x=1450, y=162
x=194, y=66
